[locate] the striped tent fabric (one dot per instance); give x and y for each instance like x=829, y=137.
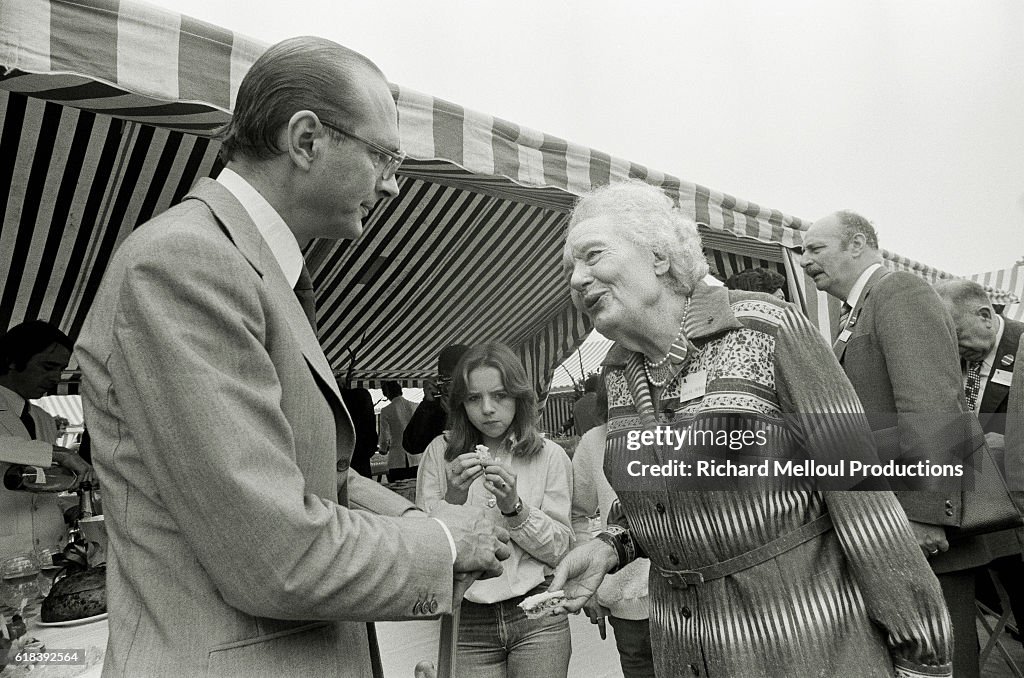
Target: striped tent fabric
x=107, y=115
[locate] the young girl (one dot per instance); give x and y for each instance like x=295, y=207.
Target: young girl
x=525, y=483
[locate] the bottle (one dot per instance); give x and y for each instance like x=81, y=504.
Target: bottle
x=85, y=506
x=594, y=522
x=37, y=479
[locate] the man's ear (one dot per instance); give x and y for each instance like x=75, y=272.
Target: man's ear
x=857, y=244
x=661, y=263
x=301, y=138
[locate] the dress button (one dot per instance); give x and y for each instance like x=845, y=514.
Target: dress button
x=433, y=606
x=949, y=512
x=686, y=612
x=660, y=507
x=668, y=414
x=672, y=558
x=949, y=503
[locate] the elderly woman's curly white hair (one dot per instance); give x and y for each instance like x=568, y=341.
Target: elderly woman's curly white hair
x=649, y=218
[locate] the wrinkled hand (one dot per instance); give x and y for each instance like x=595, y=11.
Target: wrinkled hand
x=500, y=480
x=581, y=572
x=931, y=538
x=597, y=614
x=480, y=544
x=71, y=461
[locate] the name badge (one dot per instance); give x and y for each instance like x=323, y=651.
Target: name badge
x=1002, y=377
x=694, y=385
x=844, y=336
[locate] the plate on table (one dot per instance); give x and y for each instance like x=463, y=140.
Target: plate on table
x=75, y=622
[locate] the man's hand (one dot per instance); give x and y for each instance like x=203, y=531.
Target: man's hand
x=71, y=461
x=931, y=538
x=480, y=544
x=581, y=572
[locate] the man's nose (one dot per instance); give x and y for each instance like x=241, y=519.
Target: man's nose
x=389, y=188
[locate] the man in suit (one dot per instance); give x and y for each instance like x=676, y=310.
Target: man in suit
x=32, y=357
x=431, y=415
x=235, y=549
x=896, y=343
x=988, y=346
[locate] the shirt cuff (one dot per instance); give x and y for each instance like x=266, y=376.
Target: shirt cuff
x=451, y=540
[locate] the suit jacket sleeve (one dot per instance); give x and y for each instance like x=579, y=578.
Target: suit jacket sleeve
x=202, y=395
x=916, y=336
x=15, y=450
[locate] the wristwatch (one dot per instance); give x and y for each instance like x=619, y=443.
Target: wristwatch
x=516, y=510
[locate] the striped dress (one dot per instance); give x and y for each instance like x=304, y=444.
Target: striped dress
x=858, y=600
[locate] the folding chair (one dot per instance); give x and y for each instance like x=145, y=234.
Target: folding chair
x=997, y=632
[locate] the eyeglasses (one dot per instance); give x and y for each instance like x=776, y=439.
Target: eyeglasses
x=387, y=160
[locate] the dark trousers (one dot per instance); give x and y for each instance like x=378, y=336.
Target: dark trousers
x=633, y=641
x=958, y=590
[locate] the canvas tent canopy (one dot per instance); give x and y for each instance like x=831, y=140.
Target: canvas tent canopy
x=107, y=111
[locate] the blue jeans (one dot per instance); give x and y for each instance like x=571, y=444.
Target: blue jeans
x=498, y=641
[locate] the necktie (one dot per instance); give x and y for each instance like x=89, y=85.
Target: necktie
x=973, y=387
x=844, y=316
x=26, y=419
x=306, y=296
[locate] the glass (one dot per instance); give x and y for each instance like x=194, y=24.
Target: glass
x=388, y=160
x=47, y=569
x=19, y=592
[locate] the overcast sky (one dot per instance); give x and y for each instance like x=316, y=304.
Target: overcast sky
x=908, y=111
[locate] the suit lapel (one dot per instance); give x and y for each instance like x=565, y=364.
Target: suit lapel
x=995, y=395
x=243, y=233
x=839, y=347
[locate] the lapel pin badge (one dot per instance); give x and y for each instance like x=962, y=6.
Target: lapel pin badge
x=1007, y=360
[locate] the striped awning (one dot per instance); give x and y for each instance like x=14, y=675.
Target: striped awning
x=1009, y=280
x=106, y=114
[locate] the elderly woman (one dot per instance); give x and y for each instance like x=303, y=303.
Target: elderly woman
x=784, y=581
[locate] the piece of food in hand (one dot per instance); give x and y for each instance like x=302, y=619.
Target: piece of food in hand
x=483, y=453
x=77, y=596
x=542, y=604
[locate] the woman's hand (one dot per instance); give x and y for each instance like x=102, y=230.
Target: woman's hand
x=500, y=480
x=581, y=572
x=460, y=473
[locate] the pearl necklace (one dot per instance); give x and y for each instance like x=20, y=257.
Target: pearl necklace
x=650, y=367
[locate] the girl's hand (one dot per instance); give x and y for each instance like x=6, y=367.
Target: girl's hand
x=460, y=473
x=500, y=480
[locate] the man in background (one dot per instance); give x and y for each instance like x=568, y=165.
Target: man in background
x=431, y=415
x=988, y=346
x=393, y=419
x=585, y=414
x=33, y=355
x=896, y=343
